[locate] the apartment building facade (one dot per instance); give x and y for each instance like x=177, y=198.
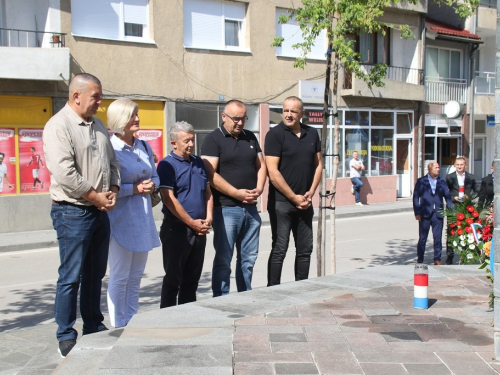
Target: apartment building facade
x=182, y=60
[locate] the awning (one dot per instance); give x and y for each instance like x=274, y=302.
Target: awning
x=444, y=31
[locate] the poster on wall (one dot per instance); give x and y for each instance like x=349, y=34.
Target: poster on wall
x=155, y=139
x=7, y=162
x=34, y=175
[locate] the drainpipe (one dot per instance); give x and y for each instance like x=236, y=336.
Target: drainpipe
x=421, y=115
x=473, y=48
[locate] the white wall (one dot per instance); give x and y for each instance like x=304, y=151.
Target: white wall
x=32, y=15
x=487, y=55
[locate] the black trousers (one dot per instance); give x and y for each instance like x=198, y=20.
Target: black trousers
x=183, y=254
x=285, y=217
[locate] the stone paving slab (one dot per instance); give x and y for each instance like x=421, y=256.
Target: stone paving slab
x=318, y=326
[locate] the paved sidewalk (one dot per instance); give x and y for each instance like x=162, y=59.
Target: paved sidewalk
x=47, y=238
x=360, y=322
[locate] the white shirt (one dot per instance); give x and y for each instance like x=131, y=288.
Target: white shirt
x=354, y=172
x=3, y=171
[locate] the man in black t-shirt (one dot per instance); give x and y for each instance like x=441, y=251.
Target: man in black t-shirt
x=293, y=159
x=237, y=172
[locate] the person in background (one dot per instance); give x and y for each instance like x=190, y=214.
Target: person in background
x=85, y=179
x=461, y=185
x=428, y=201
x=187, y=209
x=3, y=173
x=356, y=167
x=133, y=229
x=36, y=160
x=486, y=192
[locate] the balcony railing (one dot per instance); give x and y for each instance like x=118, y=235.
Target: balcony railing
x=30, y=38
x=396, y=73
x=442, y=90
x=485, y=83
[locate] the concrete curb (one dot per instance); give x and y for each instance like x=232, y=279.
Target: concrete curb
x=47, y=238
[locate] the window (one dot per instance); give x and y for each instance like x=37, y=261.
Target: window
x=373, y=48
x=381, y=152
x=216, y=25
x=111, y=19
x=292, y=34
x=443, y=63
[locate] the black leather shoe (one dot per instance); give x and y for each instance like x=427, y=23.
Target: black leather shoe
x=449, y=260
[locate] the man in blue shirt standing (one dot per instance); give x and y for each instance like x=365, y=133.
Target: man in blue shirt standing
x=187, y=208
x=430, y=190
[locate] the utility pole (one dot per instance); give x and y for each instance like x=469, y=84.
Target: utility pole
x=496, y=189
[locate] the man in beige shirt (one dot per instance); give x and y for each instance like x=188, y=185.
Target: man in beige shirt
x=84, y=177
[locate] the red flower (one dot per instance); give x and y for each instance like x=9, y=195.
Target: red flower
x=460, y=216
x=460, y=231
x=479, y=221
x=452, y=232
x=475, y=214
x=469, y=220
x=459, y=223
x=452, y=225
x=470, y=208
x=468, y=229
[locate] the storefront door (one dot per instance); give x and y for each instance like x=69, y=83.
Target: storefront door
x=403, y=167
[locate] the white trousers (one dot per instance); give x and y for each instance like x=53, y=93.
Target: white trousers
x=125, y=272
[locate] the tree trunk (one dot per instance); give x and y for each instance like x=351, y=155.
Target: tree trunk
x=336, y=161
x=321, y=234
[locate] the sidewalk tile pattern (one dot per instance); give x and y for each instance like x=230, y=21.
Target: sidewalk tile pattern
x=372, y=332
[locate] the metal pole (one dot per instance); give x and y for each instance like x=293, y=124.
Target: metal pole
x=496, y=188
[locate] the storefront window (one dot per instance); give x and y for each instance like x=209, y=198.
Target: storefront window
x=205, y=117
x=356, y=140
x=357, y=117
x=383, y=119
x=382, y=153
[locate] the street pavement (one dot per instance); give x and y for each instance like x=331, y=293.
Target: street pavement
x=290, y=322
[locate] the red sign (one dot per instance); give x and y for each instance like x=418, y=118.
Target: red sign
x=35, y=177
x=8, y=164
x=313, y=117
x=155, y=139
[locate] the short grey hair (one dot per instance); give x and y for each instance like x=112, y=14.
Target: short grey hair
x=119, y=114
x=180, y=126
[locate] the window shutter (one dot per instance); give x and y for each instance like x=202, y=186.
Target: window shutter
x=203, y=24
x=135, y=11
x=234, y=11
x=94, y=18
x=292, y=34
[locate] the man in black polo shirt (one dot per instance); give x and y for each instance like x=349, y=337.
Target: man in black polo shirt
x=237, y=172
x=293, y=159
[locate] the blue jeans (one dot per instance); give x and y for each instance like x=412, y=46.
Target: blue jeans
x=83, y=236
x=357, y=187
x=240, y=226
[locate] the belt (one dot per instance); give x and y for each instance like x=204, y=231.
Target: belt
x=64, y=203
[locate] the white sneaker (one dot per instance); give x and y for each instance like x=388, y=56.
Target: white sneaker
x=352, y=189
x=359, y=204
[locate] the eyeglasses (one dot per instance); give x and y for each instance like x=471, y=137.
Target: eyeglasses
x=236, y=119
